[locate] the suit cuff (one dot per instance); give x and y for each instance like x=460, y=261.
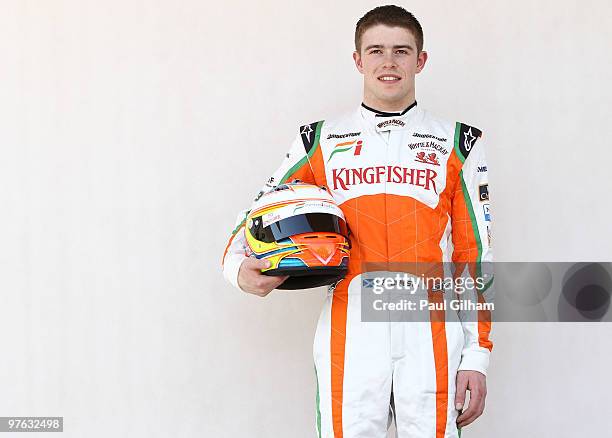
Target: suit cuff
x=231, y=268
x=474, y=360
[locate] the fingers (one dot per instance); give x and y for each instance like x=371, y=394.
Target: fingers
x=473, y=411
x=461, y=390
x=261, y=285
x=251, y=279
x=476, y=383
x=255, y=263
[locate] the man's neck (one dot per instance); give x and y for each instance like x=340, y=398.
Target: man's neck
x=388, y=107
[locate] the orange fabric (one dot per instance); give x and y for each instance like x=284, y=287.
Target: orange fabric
x=337, y=351
x=304, y=174
x=338, y=318
x=464, y=240
x=484, y=326
x=466, y=252
x=390, y=215
x=317, y=167
x=394, y=228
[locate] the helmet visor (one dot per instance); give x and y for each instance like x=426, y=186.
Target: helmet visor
x=300, y=224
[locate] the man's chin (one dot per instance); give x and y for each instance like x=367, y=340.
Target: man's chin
x=391, y=98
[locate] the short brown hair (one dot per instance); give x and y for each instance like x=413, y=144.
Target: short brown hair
x=392, y=16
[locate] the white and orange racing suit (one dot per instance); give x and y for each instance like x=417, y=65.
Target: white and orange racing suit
x=412, y=188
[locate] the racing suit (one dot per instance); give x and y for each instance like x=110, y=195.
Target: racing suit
x=412, y=188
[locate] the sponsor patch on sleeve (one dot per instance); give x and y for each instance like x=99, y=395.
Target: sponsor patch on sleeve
x=483, y=192
x=466, y=138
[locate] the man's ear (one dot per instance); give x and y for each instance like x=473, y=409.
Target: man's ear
x=421, y=60
x=357, y=59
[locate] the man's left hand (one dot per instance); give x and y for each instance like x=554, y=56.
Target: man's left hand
x=476, y=383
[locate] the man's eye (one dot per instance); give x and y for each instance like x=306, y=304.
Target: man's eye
x=403, y=52
x=376, y=50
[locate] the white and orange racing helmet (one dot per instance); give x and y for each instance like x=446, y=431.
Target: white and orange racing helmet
x=302, y=231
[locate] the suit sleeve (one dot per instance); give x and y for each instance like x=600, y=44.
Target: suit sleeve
x=472, y=254
x=294, y=166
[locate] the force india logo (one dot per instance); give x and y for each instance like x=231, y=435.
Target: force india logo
x=347, y=146
x=344, y=178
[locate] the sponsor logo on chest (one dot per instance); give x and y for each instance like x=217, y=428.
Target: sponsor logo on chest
x=391, y=123
x=417, y=134
x=431, y=158
x=428, y=152
x=345, y=178
x=428, y=146
x=348, y=134
x=354, y=146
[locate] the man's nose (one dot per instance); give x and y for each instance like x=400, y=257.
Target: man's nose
x=389, y=60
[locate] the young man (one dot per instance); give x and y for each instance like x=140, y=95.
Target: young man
x=409, y=184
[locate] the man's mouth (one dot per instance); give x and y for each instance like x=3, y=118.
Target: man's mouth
x=389, y=79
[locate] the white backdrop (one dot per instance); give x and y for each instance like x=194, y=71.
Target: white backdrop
x=132, y=131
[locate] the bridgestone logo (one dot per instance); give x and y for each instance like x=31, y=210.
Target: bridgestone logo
x=416, y=134
x=350, y=134
x=392, y=122
x=344, y=178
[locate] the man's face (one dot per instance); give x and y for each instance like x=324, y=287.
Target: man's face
x=389, y=62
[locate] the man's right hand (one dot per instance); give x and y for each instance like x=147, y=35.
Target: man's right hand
x=251, y=280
